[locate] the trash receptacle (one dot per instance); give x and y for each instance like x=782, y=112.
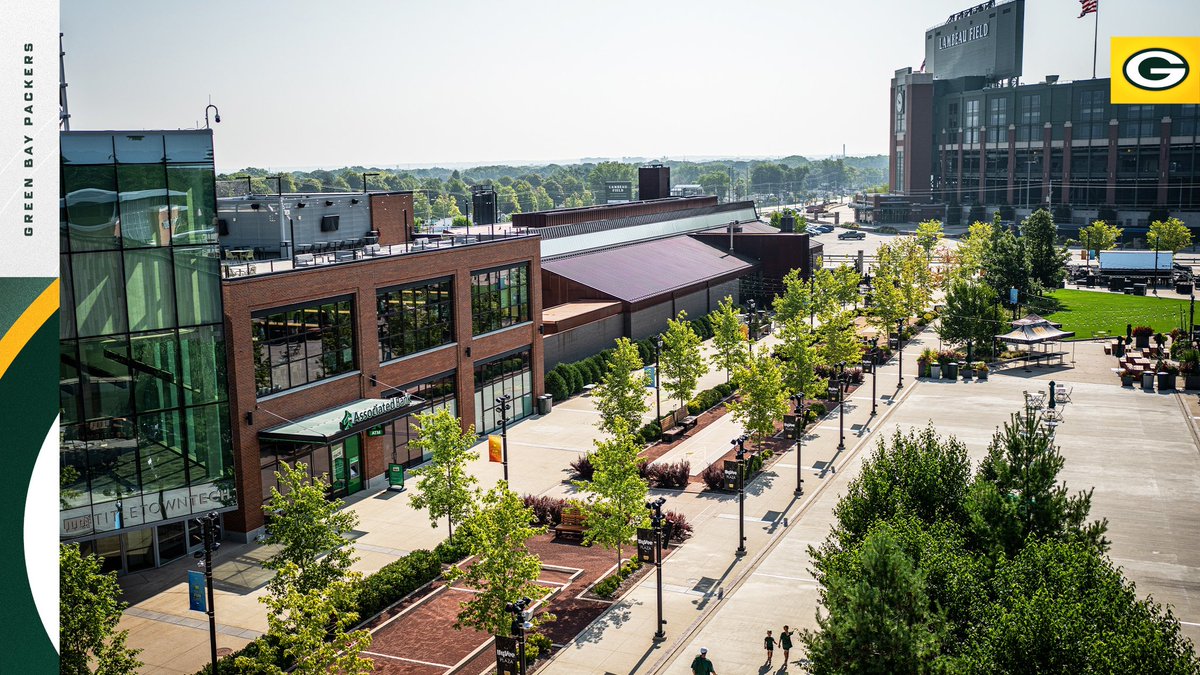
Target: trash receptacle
x=1139, y=289
x=545, y=401
x=950, y=371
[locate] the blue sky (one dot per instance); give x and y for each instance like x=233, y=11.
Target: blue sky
x=305, y=84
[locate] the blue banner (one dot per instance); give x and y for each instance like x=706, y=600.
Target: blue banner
x=651, y=375
x=1012, y=296
x=196, y=589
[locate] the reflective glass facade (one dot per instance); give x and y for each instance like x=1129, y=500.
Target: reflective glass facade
x=438, y=393
x=302, y=344
x=145, y=434
x=414, y=318
x=499, y=298
x=507, y=374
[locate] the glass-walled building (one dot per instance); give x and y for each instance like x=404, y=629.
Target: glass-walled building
x=144, y=435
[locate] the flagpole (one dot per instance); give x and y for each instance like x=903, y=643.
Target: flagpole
x=1095, y=39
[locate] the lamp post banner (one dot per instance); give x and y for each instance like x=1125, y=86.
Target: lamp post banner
x=495, y=449
x=645, y=544
x=790, y=426
x=196, y=590
x=732, y=475
x=507, y=662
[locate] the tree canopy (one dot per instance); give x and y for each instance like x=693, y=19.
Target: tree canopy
x=444, y=486
x=309, y=529
x=89, y=609
x=621, y=394
x=681, y=363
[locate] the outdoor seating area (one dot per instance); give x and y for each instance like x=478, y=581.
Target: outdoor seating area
x=1141, y=363
x=1040, y=337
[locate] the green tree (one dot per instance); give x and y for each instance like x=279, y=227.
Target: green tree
x=309, y=530
x=1017, y=497
x=680, y=364
x=504, y=570
x=1047, y=262
x=445, y=206
x=728, y=340
x=310, y=629
x=444, y=487
x=610, y=171
x=879, y=619
x=972, y=314
x=763, y=400
x=838, y=340
x=89, y=609
x=929, y=233
x=916, y=278
x=616, y=505
x=1169, y=235
x=973, y=250
x=621, y=395
x=1007, y=266
x=797, y=347
x=1100, y=236
x=798, y=299
x=715, y=183
x=888, y=302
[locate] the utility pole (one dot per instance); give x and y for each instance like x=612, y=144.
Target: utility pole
x=656, y=521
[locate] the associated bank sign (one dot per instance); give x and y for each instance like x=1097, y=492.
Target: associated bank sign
x=355, y=417
x=963, y=36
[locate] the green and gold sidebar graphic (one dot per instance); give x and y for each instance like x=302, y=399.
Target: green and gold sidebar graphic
x=29, y=429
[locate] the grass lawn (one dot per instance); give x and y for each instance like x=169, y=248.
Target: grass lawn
x=1086, y=312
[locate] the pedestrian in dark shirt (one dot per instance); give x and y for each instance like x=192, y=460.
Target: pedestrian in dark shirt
x=701, y=665
x=785, y=643
x=769, y=643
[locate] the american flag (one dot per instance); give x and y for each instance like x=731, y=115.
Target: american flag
x=1089, y=7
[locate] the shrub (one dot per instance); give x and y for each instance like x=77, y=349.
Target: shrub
x=645, y=351
x=887, y=229
x=582, y=466
x=649, y=433
x=546, y=510
x=673, y=476
x=681, y=529
x=451, y=552
x=556, y=387
x=713, y=477
x=818, y=409
x=586, y=371
x=606, y=586
x=1143, y=331
x=536, y=645
x=396, y=580
x=649, y=472
x=576, y=382
x=725, y=389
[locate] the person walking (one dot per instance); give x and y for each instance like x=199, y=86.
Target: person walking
x=785, y=643
x=701, y=665
x=769, y=644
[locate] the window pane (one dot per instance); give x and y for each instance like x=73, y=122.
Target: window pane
x=198, y=285
x=208, y=443
x=139, y=148
x=203, y=364
x=160, y=451
x=155, y=371
x=68, y=382
x=150, y=289
x=86, y=148
x=145, y=219
x=105, y=387
x=112, y=460
x=194, y=147
x=93, y=221
x=192, y=197
x=66, y=299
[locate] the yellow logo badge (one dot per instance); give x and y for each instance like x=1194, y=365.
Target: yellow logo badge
x=1155, y=70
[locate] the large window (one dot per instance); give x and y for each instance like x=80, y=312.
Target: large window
x=499, y=298
x=415, y=318
x=971, y=125
x=1140, y=121
x=997, y=124
x=1092, y=119
x=1030, y=122
x=439, y=394
x=298, y=345
x=509, y=374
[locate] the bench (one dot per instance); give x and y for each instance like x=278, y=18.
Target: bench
x=572, y=522
x=673, y=433
x=689, y=422
x=305, y=259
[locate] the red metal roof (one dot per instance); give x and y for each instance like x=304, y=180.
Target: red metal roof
x=644, y=270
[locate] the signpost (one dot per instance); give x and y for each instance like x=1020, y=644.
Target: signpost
x=790, y=421
x=645, y=545
x=731, y=475
x=506, y=656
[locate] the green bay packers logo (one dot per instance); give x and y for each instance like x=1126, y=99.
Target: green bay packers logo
x=1155, y=69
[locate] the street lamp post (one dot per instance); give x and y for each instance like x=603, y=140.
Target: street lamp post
x=658, y=341
x=750, y=316
x=209, y=526
x=841, y=405
x=656, y=520
x=801, y=420
x=520, y=622
x=900, y=359
x=364, y=177
x=502, y=408
x=740, y=442
x=874, y=375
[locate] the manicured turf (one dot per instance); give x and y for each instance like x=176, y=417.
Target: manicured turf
x=1086, y=312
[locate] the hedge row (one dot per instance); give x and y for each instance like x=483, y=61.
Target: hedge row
x=709, y=398
x=567, y=379
x=372, y=595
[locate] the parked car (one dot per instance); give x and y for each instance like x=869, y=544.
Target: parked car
x=852, y=234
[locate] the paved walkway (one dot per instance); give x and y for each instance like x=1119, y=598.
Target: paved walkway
x=1129, y=444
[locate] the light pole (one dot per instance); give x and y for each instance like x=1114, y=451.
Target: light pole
x=657, y=380
x=209, y=526
x=801, y=421
x=656, y=520
x=900, y=359
x=841, y=405
x=751, y=305
x=364, y=177
x=520, y=622
x=740, y=442
x=502, y=408
x=1154, y=279
x=217, y=119
x=873, y=364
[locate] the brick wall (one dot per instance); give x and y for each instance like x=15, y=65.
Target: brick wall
x=246, y=295
x=392, y=216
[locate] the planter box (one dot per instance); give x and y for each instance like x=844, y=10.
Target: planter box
x=983, y=374
x=1166, y=381
x=967, y=374
x=1191, y=381
x=1141, y=341
x=1126, y=380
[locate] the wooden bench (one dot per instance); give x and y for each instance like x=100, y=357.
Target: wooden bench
x=673, y=433
x=572, y=523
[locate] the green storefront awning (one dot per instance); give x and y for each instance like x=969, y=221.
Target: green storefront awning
x=344, y=421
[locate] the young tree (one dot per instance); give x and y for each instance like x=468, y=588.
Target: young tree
x=973, y=315
x=929, y=233
x=888, y=304
x=973, y=250
x=505, y=571
x=916, y=279
x=617, y=504
x=681, y=363
x=444, y=486
x=1169, y=235
x=798, y=299
x=1047, y=263
x=838, y=339
x=309, y=529
x=1100, y=236
x=310, y=629
x=1017, y=496
x=620, y=396
x=730, y=343
x=801, y=356
x=1007, y=266
x=763, y=399
x=89, y=609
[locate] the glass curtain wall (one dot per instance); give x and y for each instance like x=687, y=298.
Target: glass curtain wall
x=145, y=423
x=439, y=394
x=508, y=374
x=414, y=318
x=499, y=298
x=302, y=344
